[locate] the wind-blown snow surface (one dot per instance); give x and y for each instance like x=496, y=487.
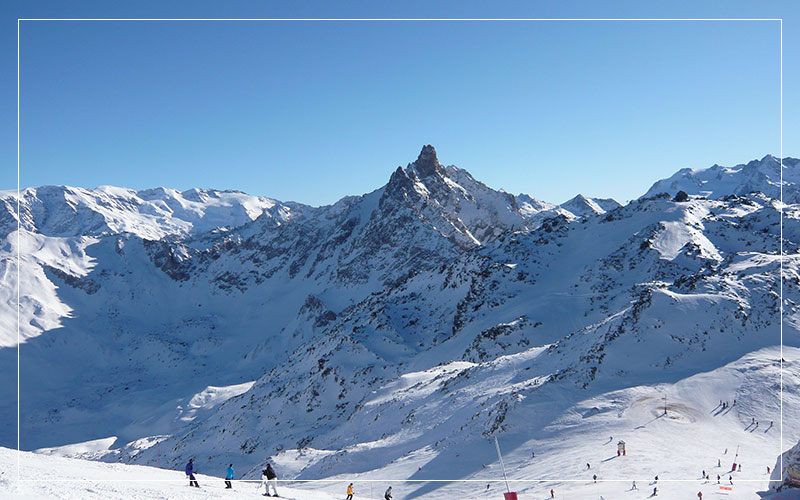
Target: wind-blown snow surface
x=401, y=329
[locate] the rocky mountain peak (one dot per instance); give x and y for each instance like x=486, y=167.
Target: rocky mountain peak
x=427, y=162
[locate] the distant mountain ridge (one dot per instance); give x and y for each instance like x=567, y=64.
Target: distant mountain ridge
x=757, y=176
x=150, y=213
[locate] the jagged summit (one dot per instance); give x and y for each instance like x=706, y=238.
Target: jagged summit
x=427, y=163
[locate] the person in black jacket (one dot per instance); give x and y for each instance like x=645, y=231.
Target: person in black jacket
x=270, y=478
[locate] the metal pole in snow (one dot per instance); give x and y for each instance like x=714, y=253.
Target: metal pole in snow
x=502, y=465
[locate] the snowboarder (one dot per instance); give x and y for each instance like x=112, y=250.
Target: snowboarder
x=269, y=478
x=190, y=473
x=595, y=478
x=350, y=491
x=388, y=494
x=228, y=476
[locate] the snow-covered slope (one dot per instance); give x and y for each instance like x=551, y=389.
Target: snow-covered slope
x=394, y=330
x=57, y=478
x=696, y=432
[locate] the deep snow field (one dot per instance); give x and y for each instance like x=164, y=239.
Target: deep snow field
x=694, y=434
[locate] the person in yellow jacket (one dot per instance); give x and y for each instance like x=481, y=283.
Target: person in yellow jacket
x=350, y=491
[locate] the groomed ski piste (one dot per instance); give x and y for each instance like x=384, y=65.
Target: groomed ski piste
x=694, y=436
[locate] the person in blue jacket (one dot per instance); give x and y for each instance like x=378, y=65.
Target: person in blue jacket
x=190, y=473
x=228, y=476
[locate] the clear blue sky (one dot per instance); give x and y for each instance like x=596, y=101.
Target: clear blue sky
x=313, y=111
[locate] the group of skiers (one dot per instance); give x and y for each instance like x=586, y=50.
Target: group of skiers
x=269, y=479
x=387, y=495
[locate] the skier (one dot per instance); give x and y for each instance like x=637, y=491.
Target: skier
x=552, y=493
x=719, y=463
x=228, y=476
x=704, y=473
x=269, y=477
x=740, y=467
x=718, y=478
x=190, y=473
x=767, y=469
x=588, y=466
x=595, y=478
x=730, y=478
x=700, y=495
x=656, y=479
x=633, y=486
x=655, y=491
x=350, y=491
x=388, y=494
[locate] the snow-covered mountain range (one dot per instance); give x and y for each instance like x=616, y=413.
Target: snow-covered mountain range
x=393, y=333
